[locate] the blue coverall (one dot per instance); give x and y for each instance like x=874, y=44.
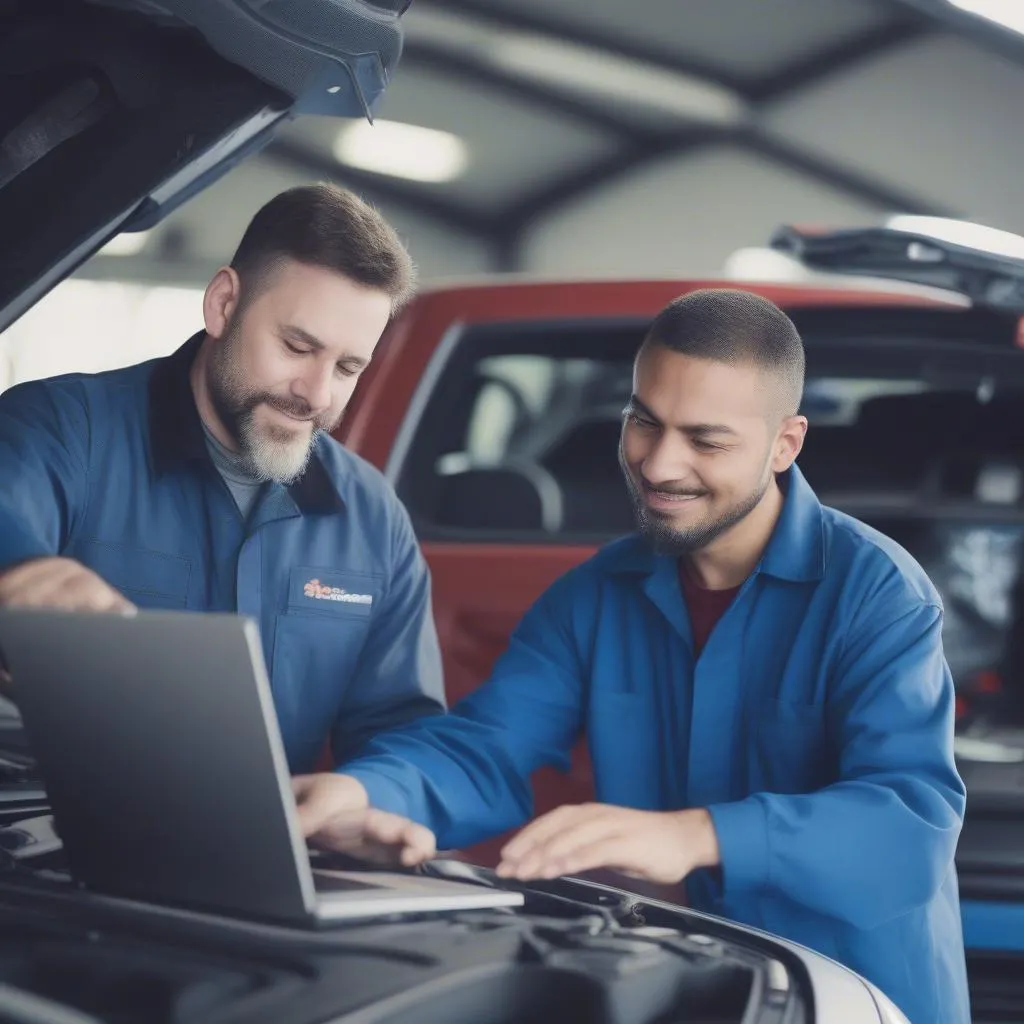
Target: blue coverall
x=112, y=469
x=816, y=726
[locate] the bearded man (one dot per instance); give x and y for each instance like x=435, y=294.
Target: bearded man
x=207, y=481
x=760, y=680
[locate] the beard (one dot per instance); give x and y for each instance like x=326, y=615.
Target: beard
x=666, y=539
x=270, y=452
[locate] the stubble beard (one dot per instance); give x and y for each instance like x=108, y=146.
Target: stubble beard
x=667, y=540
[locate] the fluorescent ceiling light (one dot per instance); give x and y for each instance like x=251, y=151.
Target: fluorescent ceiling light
x=1007, y=13
x=575, y=69
x=961, y=232
x=402, y=150
x=130, y=243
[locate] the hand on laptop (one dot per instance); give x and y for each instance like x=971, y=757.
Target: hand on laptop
x=334, y=814
x=59, y=583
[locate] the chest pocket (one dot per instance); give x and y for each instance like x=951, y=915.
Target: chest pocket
x=790, y=750
x=317, y=643
x=149, y=579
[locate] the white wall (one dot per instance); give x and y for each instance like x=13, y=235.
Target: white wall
x=84, y=326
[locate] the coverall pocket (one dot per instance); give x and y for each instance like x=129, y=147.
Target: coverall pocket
x=149, y=579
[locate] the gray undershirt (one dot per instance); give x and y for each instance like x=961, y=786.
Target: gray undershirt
x=244, y=487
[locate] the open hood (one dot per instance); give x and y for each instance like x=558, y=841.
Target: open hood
x=112, y=112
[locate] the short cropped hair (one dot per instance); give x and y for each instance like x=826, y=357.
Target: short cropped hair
x=728, y=325
x=325, y=226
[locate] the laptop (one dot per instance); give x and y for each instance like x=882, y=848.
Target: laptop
x=158, y=745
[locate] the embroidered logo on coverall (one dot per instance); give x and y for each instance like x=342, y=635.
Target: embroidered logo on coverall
x=321, y=592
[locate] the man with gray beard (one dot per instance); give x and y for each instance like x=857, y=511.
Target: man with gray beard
x=208, y=481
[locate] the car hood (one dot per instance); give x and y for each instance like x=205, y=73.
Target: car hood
x=115, y=111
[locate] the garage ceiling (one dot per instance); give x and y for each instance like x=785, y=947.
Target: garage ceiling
x=878, y=105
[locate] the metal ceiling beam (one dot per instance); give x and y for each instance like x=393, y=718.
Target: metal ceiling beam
x=860, y=186
x=847, y=53
x=520, y=215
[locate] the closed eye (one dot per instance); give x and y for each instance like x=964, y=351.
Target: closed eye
x=702, y=445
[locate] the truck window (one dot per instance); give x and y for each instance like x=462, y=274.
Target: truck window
x=518, y=441
x=921, y=437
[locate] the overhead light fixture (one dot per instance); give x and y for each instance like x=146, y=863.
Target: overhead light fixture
x=129, y=243
x=961, y=232
x=402, y=150
x=1006, y=13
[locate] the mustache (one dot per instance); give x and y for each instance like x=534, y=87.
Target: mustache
x=292, y=406
x=296, y=407
x=673, y=489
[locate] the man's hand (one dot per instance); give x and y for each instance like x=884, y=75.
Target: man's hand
x=335, y=814
x=60, y=583
x=661, y=847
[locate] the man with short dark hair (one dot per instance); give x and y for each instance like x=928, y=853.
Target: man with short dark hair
x=207, y=480
x=760, y=680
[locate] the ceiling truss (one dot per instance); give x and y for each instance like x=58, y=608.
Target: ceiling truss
x=638, y=144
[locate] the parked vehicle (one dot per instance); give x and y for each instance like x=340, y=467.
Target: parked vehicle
x=130, y=107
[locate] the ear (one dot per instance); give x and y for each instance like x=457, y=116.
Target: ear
x=788, y=442
x=220, y=301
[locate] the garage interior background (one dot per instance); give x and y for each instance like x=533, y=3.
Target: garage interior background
x=568, y=138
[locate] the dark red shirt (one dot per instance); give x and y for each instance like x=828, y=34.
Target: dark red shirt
x=706, y=607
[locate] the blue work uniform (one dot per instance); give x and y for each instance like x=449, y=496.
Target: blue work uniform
x=816, y=726
x=113, y=470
